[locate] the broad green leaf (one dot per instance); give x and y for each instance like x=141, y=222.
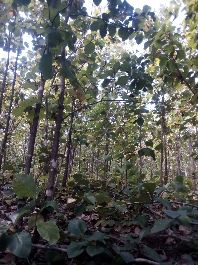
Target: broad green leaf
x=54, y=3
x=94, y=250
x=54, y=38
x=106, y=82
x=50, y=206
x=4, y=241
x=151, y=253
x=140, y=121
x=77, y=227
x=126, y=256
x=147, y=152
x=15, y=217
x=3, y=228
x=95, y=25
x=123, y=33
x=146, y=9
x=175, y=214
x=23, y=2
x=24, y=105
x=75, y=249
x=20, y=244
x=24, y=186
x=48, y=231
x=97, y=2
x=149, y=143
x=97, y=236
x=89, y=48
x=139, y=38
x=160, y=225
x=112, y=29
x=122, y=80
x=102, y=198
x=103, y=30
x=45, y=66
x=90, y=198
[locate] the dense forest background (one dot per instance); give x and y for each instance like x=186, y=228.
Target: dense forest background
x=98, y=131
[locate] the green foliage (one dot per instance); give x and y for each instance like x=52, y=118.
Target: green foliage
x=77, y=227
x=45, y=66
x=160, y=225
x=48, y=231
x=97, y=2
x=147, y=152
x=24, y=186
x=20, y=244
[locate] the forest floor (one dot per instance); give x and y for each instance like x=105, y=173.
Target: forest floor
x=102, y=225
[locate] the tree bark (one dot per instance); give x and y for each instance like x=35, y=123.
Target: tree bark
x=164, y=139
x=3, y=87
x=57, y=135
x=34, y=128
x=5, y=138
x=69, y=146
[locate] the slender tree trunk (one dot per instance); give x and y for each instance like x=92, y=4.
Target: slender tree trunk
x=57, y=135
x=178, y=154
x=3, y=86
x=69, y=146
x=164, y=139
x=34, y=128
x=106, y=155
x=79, y=157
x=192, y=164
x=141, y=158
x=5, y=138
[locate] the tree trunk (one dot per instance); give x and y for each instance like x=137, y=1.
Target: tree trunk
x=5, y=138
x=192, y=165
x=164, y=140
x=69, y=146
x=5, y=73
x=34, y=128
x=57, y=135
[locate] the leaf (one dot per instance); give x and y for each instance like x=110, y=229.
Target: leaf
x=175, y=214
x=89, y=48
x=77, y=227
x=48, y=231
x=149, y=143
x=160, y=225
x=139, y=38
x=15, y=217
x=146, y=9
x=97, y=2
x=151, y=253
x=95, y=25
x=112, y=29
x=122, y=80
x=3, y=228
x=97, y=236
x=75, y=249
x=127, y=257
x=45, y=66
x=140, y=121
x=90, y=198
x=94, y=250
x=123, y=33
x=20, y=244
x=23, y=2
x=54, y=38
x=30, y=102
x=103, y=30
x=147, y=152
x=24, y=186
x=106, y=82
